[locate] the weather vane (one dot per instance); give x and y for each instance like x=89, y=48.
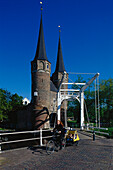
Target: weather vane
x=59, y=28
x=41, y=5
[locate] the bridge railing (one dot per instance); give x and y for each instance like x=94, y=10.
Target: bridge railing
x=97, y=130
x=40, y=138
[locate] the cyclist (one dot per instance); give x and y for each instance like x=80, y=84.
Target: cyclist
x=59, y=131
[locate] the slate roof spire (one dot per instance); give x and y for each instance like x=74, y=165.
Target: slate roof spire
x=41, y=50
x=60, y=63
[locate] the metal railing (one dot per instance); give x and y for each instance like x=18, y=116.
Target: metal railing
x=2, y=135
x=89, y=129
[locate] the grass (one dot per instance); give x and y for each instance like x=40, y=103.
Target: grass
x=109, y=131
x=72, y=121
x=3, y=129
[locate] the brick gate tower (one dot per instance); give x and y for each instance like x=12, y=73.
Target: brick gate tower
x=40, y=70
x=57, y=76
x=44, y=88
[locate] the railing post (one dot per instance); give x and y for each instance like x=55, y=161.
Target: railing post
x=93, y=135
x=40, y=136
x=0, y=148
x=0, y=144
x=82, y=110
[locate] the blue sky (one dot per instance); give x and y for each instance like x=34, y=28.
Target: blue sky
x=86, y=37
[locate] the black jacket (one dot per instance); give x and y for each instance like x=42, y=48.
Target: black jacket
x=59, y=128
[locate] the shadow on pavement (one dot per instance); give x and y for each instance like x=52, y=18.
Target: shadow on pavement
x=38, y=150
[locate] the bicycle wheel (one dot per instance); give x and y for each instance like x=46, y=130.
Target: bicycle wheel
x=63, y=143
x=50, y=147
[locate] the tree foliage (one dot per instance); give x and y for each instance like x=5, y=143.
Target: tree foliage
x=106, y=102
x=8, y=102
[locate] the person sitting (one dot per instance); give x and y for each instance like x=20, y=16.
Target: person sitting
x=70, y=137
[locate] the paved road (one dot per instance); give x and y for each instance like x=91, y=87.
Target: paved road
x=97, y=155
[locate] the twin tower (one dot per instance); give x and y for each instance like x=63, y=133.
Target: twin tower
x=44, y=87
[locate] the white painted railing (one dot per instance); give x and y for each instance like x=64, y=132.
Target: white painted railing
x=23, y=140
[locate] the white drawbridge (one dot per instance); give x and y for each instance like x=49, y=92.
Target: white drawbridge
x=66, y=94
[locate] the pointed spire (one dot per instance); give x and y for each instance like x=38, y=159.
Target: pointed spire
x=60, y=63
x=41, y=50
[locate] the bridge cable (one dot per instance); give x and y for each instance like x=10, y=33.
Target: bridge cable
x=86, y=112
x=98, y=103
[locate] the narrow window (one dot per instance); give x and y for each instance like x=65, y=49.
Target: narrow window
x=47, y=66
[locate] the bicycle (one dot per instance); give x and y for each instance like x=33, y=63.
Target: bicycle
x=54, y=144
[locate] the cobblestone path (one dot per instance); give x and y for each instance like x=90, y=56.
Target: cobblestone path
x=89, y=154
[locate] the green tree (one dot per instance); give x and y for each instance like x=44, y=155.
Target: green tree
x=106, y=100
x=4, y=103
x=8, y=102
x=16, y=101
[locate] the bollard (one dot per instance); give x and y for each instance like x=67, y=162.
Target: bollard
x=93, y=135
x=40, y=136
